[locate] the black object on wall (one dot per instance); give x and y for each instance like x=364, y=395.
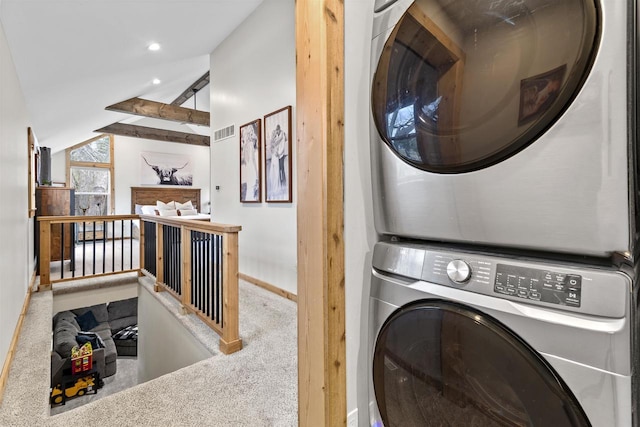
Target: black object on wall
x=45, y=166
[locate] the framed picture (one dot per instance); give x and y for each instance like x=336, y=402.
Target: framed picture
x=250, y=169
x=538, y=93
x=277, y=159
x=165, y=169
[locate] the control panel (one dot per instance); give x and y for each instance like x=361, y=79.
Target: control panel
x=599, y=291
x=486, y=275
x=538, y=285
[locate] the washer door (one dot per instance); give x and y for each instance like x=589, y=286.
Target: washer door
x=461, y=85
x=438, y=363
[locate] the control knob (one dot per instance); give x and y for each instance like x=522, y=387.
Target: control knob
x=458, y=271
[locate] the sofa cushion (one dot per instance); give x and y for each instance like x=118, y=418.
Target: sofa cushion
x=110, y=351
x=87, y=321
x=99, y=311
x=64, y=315
x=123, y=308
x=119, y=324
x=68, y=325
x=63, y=341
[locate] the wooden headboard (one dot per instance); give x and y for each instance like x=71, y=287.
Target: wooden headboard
x=150, y=195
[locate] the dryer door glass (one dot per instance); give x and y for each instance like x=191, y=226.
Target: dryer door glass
x=461, y=85
x=439, y=363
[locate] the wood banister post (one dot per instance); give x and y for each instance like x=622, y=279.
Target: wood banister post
x=159, y=258
x=185, y=282
x=44, y=257
x=230, y=341
x=141, y=248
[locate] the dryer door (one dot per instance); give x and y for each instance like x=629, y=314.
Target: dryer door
x=461, y=85
x=439, y=363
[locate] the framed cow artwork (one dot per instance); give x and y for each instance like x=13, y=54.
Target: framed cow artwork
x=165, y=169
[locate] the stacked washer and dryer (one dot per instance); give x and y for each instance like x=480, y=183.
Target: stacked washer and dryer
x=504, y=165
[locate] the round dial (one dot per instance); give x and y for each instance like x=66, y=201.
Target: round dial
x=458, y=271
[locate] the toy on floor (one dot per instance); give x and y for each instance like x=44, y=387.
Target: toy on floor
x=81, y=387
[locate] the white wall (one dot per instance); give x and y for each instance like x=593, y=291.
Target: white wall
x=128, y=164
x=16, y=230
x=164, y=344
x=253, y=74
x=72, y=300
x=360, y=235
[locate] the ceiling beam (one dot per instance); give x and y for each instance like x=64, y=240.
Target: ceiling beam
x=192, y=90
x=155, y=134
x=158, y=110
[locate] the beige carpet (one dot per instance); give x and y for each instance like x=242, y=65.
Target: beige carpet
x=126, y=377
x=254, y=387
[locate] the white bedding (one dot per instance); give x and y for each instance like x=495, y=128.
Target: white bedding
x=197, y=217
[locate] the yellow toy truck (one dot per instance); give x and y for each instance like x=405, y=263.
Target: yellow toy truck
x=79, y=388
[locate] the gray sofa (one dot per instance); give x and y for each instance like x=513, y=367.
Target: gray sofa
x=123, y=320
x=101, y=319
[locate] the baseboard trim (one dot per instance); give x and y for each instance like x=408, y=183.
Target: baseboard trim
x=4, y=375
x=269, y=287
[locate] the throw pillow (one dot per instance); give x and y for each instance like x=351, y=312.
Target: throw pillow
x=87, y=321
x=148, y=210
x=99, y=311
x=168, y=212
x=187, y=212
x=185, y=205
x=163, y=206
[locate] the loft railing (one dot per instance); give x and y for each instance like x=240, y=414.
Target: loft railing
x=197, y=263
x=73, y=247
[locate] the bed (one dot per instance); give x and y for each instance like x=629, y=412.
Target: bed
x=147, y=196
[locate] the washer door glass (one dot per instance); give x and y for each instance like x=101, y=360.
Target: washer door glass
x=438, y=363
x=461, y=85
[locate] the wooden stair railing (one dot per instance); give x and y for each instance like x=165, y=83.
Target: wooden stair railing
x=74, y=262
x=197, y=263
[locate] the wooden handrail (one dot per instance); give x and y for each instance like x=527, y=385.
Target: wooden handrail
x=80, y=218
x=192, y=224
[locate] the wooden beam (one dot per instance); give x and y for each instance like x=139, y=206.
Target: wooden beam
x=155, y=134
x=192, y=90
x=320, y=218
x=158, y=110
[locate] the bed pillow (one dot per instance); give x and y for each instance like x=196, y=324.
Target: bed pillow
x=187, y=212
x=168, y=212
x=148, y=209
x=164, y=206
x=185, y=205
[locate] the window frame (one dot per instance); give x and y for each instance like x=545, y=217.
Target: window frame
x=94, y=165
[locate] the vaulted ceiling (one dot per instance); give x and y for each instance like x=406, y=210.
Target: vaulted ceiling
x=76, y=57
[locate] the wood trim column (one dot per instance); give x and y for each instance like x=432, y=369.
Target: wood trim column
x=320, y=193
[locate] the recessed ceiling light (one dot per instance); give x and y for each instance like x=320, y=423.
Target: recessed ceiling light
x=154, y=46
x=156, y=81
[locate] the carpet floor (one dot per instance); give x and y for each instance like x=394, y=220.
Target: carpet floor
x=256, y=386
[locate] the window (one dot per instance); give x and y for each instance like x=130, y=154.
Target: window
x=90, y=170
